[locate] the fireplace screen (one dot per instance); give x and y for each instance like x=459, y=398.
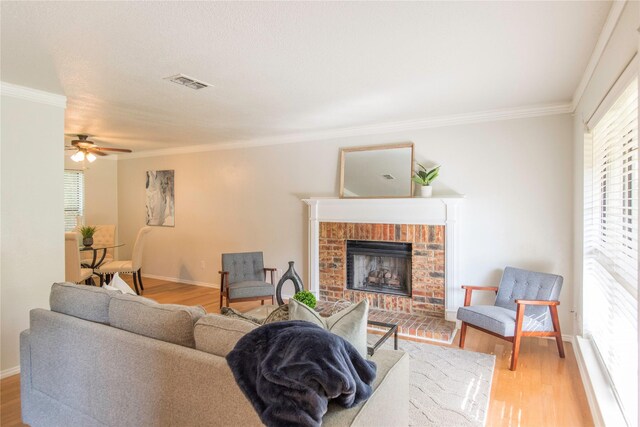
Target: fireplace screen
x=383, y=267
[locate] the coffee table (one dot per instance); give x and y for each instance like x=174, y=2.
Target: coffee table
x=392, y=330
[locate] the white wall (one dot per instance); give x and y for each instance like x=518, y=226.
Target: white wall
x=516, y=174
x=619, y=50
x=32, y=225
x=100, y=190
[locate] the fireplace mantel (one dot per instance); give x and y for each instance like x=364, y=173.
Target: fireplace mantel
x=441, y=210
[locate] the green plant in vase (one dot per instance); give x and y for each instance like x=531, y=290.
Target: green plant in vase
x=87, y=232
x=424, y=177
x=307, y=298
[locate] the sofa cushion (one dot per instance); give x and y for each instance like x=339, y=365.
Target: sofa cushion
x=499, y=320
x=218, y=334
x=167, y=322
x=82, y=301
x=350, y=323
x=235, y=314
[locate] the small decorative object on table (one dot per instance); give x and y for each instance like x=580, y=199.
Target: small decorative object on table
x=292, y=275
x=307, y=298
x=424, y=177
x=87, y=235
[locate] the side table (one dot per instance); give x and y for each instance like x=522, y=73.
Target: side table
x=392, y=330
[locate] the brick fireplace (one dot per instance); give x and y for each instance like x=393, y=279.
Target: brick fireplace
x=425, y=267
x=429, y=226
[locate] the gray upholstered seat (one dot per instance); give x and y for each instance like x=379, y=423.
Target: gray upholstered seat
x=250, y=289
x=496, y=319
x=244, y=277
x=537, y=293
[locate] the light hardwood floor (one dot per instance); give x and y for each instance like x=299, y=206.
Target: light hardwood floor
x=544, y=391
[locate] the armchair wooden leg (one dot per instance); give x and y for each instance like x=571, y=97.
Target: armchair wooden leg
x=261, y=302
x=272, y=301
x=515, y=352
x=556, y=328
x=221, y=298
x=463, y=334
x=517, y=336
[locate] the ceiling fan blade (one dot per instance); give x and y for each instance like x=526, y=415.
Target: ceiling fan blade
x=99, y=153
x=119, y=150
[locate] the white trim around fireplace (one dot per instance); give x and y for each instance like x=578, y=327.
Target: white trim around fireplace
x=441, y=210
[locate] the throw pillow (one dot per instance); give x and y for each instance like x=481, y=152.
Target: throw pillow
x=280, y=314
x=232, y=312
x=121, y=285
x=350, y=323
x=111, y=288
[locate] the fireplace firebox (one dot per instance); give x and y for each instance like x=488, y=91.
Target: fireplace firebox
x=382, y=267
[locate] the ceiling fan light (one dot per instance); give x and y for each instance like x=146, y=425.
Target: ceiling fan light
x=91, y=157
x=78, y=157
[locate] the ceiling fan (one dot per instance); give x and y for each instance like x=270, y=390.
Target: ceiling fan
x=85, y=149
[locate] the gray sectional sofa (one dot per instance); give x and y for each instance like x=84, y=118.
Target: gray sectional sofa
x=103, y=358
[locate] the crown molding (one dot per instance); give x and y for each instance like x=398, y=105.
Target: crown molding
x=34, y=95
x=603, y=40
x=382, y=128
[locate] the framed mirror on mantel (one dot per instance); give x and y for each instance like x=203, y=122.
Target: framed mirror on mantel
x=379, y=171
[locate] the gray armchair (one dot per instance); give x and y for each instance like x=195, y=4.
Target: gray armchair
x=526, y=305
x=244, y=278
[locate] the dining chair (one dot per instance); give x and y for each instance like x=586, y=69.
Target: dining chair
x=133, y=266
x=526, y=305
x=105, y=235
x=244, y=278
x=73, y=271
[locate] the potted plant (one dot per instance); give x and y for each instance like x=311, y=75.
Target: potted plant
x=424, y=177
x=306, y=298
x=87, y=234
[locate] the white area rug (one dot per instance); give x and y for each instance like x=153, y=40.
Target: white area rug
x=449, y=387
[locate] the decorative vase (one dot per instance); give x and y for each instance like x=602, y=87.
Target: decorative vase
x=87, y=241
x=426, y=190
x=292, y=275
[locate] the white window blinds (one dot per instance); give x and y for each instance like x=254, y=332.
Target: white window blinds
x=611, y=245
x=73, y=197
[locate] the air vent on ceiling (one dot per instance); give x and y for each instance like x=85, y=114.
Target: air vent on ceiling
x=388, y=176
x=183, y=80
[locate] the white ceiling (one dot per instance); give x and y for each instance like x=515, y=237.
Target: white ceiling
x=290, y=67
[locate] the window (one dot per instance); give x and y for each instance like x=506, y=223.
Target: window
x=611, y=245
x=73, y=198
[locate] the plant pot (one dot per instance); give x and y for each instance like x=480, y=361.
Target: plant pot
x=87, y=241
x=426, y=190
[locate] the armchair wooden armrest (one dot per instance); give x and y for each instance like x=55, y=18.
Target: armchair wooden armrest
x=273, y=274
x=481, y=288
x=537, y=302
x=469, y=289
x=224, y=280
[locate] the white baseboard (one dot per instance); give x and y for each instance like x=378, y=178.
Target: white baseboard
x=9, y=372
x=185, y=281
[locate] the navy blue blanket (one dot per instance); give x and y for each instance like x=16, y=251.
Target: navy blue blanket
x=290, y=370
